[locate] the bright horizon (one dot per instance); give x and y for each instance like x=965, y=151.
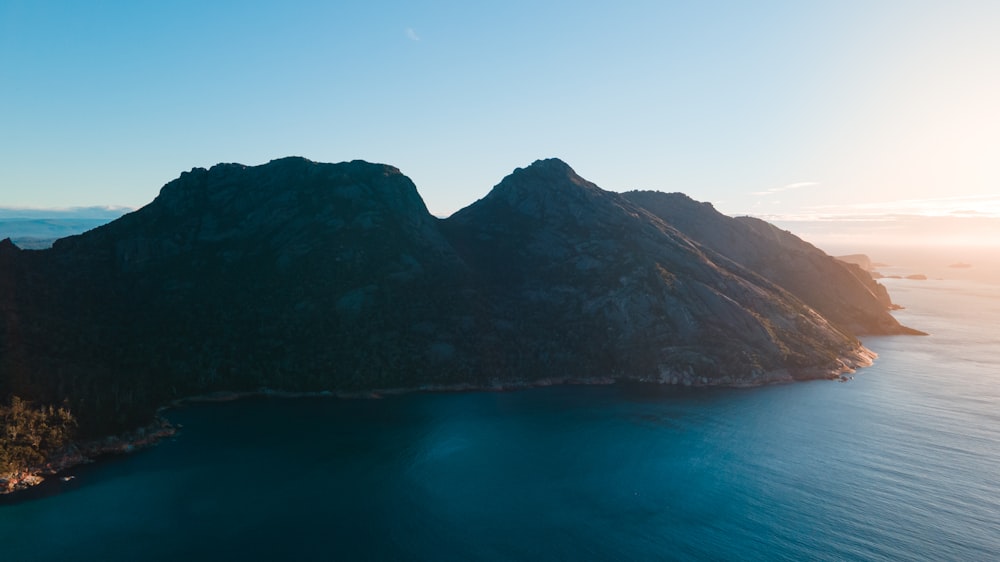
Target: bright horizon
x=840, y=121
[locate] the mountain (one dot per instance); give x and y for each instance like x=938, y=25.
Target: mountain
x=294, y=275
x=303, y=276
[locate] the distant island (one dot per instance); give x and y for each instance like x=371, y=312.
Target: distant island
x=304, y=277
x=866, y=264
x=37, y=229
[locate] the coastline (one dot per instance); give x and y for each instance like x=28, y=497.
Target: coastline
x=85, y=452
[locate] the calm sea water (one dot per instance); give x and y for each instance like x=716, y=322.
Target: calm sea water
x=903, y=462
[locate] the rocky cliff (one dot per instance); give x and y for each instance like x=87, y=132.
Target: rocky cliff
x=304, y=276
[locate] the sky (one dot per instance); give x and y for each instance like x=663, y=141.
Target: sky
x=837, y=118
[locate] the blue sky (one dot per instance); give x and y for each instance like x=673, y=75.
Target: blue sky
x=789, y=110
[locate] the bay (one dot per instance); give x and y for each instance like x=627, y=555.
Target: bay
x=899, y=463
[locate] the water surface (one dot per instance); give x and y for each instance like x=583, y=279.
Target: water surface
x=900, y=463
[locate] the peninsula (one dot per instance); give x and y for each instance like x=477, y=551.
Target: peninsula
x=301, y=276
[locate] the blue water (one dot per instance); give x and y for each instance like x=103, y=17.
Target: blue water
x=903, y=462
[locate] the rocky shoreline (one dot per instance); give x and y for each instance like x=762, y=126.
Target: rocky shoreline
x=85, y=452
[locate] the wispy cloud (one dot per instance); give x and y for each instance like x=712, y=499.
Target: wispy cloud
x=964, y=206
x=788, y=187
x=411, y=34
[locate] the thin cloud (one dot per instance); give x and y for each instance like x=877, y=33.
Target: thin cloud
x=959, y=207
x=968, y=213
x=788, y=187
x=411, y=34
x=962, y=205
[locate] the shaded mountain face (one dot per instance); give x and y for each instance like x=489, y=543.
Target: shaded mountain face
x=290, y=275
x=297, y=275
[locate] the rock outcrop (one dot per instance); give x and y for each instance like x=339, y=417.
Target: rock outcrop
x=302, y=276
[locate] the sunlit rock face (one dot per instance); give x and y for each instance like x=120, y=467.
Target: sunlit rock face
x=299, y=275
x=844, y=294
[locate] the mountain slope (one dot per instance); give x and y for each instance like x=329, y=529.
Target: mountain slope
x=842, y=293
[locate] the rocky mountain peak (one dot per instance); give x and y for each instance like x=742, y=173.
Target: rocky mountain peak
x=548, y=169
x=548, y=190
x=291, y=174
x=541, y=177
x=284, y=211
x=270, y=195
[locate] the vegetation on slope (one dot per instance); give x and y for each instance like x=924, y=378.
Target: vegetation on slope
x=29, y=434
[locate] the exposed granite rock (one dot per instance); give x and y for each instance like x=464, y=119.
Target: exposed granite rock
x=303, y=276
x=845, y=294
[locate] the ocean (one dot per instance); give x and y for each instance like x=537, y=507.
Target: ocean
x=902, y=462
